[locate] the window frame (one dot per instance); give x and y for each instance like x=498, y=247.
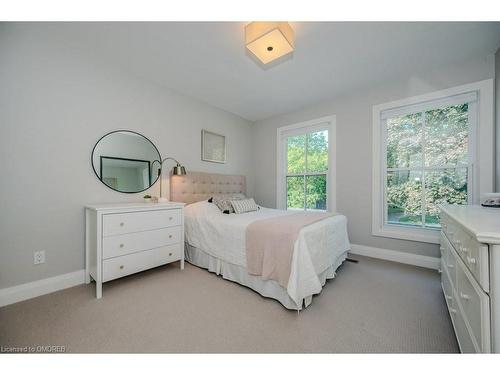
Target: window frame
x=481, y=156
x=323, y=123
x=469, y=166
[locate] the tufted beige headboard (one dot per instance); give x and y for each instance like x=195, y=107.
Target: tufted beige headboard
x=198, y=186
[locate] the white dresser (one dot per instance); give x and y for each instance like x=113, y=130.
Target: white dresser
x=470, y=275
x=122, y=239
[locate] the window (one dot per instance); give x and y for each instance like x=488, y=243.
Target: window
x=304, y=164
x=427, y=162
x=424, y=155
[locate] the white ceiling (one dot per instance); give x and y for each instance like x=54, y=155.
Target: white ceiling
x=208, y=61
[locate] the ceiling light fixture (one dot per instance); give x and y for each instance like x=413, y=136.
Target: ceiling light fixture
x=269, y=41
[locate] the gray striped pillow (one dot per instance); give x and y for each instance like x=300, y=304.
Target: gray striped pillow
x=244, y=205
x=223, y=202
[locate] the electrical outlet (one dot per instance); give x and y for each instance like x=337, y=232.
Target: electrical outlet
x=39, y=257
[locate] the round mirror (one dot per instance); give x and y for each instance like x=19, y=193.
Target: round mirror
x=126, y=161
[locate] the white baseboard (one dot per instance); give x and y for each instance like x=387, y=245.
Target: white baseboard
x=396, y=256
x=37, y=288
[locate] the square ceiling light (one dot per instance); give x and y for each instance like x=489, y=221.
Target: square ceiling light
x=269, y=41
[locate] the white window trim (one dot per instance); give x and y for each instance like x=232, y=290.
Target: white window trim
x=332, y=160
x=482, y=143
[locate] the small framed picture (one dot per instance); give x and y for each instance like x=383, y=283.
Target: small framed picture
x=213, y=147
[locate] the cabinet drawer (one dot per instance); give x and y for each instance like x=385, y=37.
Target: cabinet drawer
x=116, y=224
x=475, y=305
x=114, y=246
x=128, y=264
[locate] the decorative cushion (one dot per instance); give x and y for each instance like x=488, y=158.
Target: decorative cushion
x=244, y=205
x=223, y=202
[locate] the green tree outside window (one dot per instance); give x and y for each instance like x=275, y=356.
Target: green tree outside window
x=427, y=164
x=307, y=168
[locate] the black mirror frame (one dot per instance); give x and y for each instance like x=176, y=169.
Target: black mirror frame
x=151, y=165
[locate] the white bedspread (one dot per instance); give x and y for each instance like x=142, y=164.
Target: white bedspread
x=223, y=236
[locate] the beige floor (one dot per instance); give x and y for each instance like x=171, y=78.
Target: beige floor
x=372, y=306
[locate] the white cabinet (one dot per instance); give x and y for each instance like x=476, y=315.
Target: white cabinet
x=122, y=239
x=470, y=267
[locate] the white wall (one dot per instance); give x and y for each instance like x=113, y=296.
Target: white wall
x=354, y=145
x=55, y=103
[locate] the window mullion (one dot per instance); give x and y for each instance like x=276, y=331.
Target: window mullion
x=385, y=217
x=423, y=144
x=305, y=171
x=306, y=174
x=471, y=149
x=431, y=168
x=284, y=189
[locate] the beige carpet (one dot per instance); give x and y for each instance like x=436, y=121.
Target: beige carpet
x=372, y=306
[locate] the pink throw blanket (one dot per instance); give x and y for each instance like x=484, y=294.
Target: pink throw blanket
x=270, y=244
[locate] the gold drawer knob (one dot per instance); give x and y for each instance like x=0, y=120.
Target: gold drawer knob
x=122, y=267
x=121, y=245
x=122, y=224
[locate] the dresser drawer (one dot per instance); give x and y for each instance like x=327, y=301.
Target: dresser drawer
x=475, y=304
x=448, y=258
x=463, y=336
x=454, y=233
x=447, y=226
x=447, y=290
x=128, y=264
x=116, y=224
x=475, y=257
x=114, y=246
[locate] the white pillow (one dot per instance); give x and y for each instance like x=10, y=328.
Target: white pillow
x=244, y=205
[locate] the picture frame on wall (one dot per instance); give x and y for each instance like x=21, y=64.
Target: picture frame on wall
x=213, y=147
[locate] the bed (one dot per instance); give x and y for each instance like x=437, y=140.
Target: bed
x=216, y=241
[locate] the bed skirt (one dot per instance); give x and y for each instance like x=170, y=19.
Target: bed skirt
x=239, y=274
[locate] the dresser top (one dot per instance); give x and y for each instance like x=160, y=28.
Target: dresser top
x=135, y=206
x=483, y=222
